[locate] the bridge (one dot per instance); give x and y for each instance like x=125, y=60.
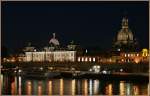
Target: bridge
x=81, y=66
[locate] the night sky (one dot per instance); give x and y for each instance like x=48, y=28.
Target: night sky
x=87, y=23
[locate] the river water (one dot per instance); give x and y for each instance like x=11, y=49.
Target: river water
x=17, y=85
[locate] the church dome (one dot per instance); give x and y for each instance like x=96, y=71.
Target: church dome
x=124, y=35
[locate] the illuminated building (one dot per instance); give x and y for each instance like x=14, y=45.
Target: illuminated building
x=51, y=53
x=125, y=40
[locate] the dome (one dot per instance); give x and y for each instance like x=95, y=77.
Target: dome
x=124, y=35
x=54, y=40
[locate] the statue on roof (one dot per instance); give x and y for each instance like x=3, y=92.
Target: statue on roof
x=53, y=40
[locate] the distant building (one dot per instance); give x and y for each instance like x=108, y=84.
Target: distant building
x=29, y=47
x=125, y=40
x=50, y=53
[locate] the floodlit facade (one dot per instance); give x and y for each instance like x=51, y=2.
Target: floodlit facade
x=51, y=56
x=49, y=53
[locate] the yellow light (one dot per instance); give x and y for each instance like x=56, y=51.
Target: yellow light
x=125, y=55
x=50, y=87
x=137, y=60
x=73, y=87
x=86, y=59
x=90, y=59
x=82, y=59
x=78, y=59
x=61, y=87
x=144, y=52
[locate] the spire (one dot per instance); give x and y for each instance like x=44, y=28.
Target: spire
x=54, y=35
x=125, y=22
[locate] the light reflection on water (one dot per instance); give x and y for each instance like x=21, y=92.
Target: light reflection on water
x=18, y=86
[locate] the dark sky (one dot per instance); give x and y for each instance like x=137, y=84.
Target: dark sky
x=87, y=23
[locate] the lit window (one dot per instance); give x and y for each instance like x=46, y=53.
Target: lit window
x=85, y=59
x=128, y=60
x=82, y=59
x=110, y=60
x=90, y=59
x=128, y=55
x=125, y=55
x=94, y=59
x=79, y=59
x=137, y=55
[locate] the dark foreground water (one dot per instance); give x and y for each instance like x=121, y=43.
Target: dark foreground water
x=23, y=86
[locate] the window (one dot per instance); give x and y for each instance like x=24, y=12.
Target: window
x=93, y=59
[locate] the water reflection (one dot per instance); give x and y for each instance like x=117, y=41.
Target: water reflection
x=29, y=88
x=135, y=90
x=85, y=87
x=19, y=90
x=22, y=86
x=109, y=89
x=40, y=88
x=73, y=87
x=96, y=87
x=49, y=87
x=61, y=87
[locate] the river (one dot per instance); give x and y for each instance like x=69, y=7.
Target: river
x=17, y=85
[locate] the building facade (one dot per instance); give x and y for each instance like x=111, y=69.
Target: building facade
x=51, y=56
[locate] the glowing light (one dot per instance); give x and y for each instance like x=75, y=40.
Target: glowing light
x=90, y=59
x=41, y=68
x=19, y=90
x=98, y=66
x=122, y=88
x=90, y=87
x=118, y=49
x=128, y=89
x=128, y=55
x=121, y=70
x=86, y=51
x=125, y=55
x=144, y=52
x=135, y=90
x=39, y=90
x=137, y=60
x=29, y=88
x=85, y=87
x=61, y=87
x=73, y=87
x=79, y=59
x=50, y=87
x=82, y=59
x=96, y=86
x=109, y=89
x=90, y=70
x=94, y=59
x=104, y=72
x=86, y=59
x=20, y=70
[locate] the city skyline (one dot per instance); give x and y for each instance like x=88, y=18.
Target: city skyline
x=88, y=24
